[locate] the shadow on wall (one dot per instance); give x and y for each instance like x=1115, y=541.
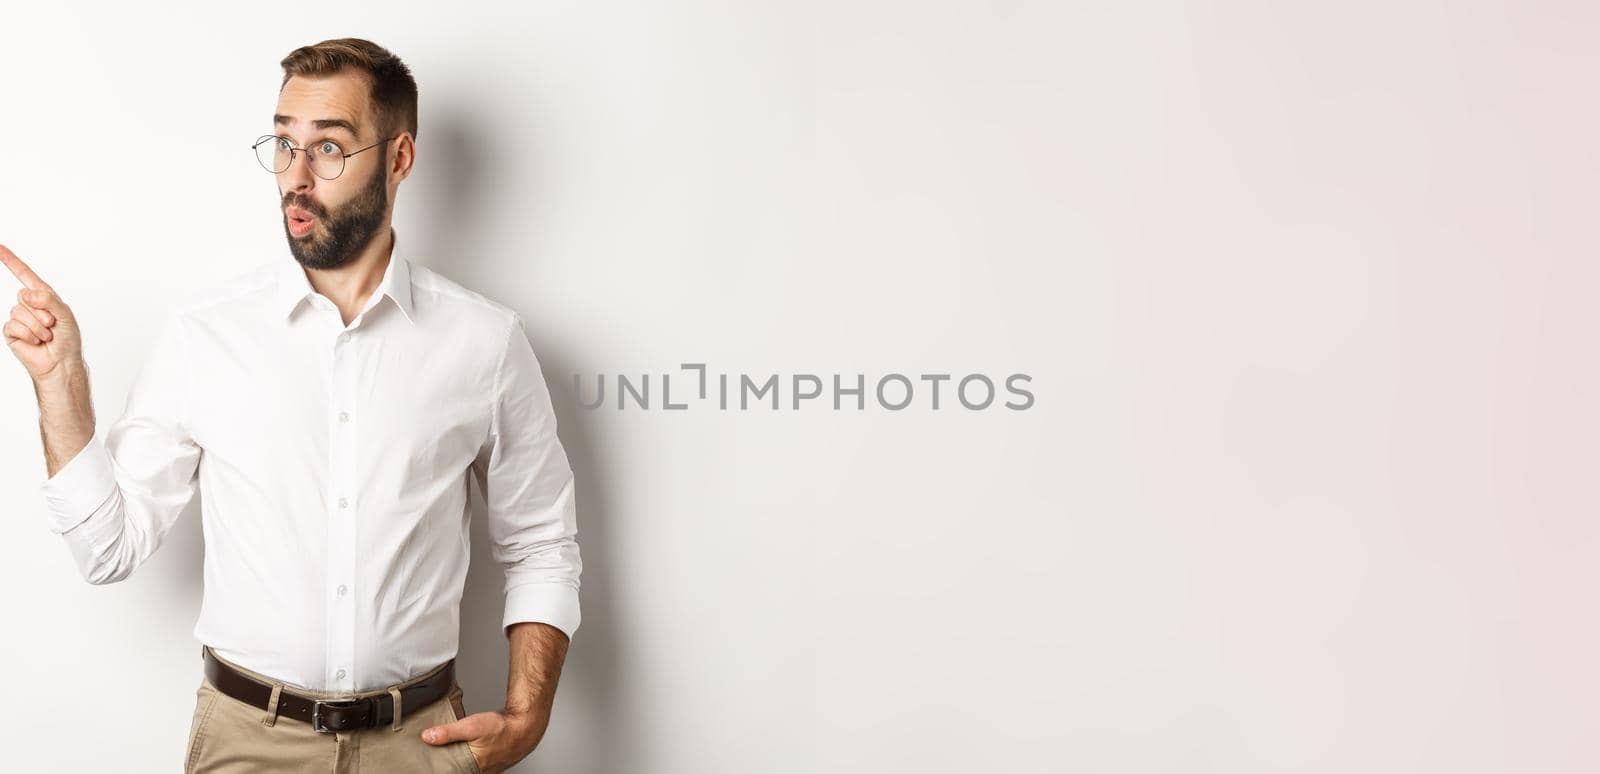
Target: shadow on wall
x=590, y=730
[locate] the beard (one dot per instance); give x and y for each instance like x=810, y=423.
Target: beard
x=348, y=230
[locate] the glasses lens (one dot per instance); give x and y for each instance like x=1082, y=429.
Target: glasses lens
x=327, y=159
x=273, y=153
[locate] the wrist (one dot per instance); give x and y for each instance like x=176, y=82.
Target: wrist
x=522, y=734
x=64, y=376
x=525, y=723
x=518, y=715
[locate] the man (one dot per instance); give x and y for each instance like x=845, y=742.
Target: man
x=331, y=407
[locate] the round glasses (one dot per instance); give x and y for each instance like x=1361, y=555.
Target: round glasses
x=326, y=157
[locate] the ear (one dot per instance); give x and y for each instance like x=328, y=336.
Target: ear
x=405, y=154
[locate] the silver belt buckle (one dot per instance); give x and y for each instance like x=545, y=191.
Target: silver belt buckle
x=316, y=713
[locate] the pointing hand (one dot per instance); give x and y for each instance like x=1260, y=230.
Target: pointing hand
x=42, y=331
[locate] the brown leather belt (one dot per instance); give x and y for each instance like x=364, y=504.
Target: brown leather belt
x=330, y=715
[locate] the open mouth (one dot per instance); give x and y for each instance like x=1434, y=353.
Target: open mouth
x=300, y=221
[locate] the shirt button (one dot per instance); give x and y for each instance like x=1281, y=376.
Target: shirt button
x=341, y=590
x=339, y=675
x=344, y=416
x=343, y=502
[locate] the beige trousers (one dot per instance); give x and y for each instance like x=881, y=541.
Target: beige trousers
x=228, y=736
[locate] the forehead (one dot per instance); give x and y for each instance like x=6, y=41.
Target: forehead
x=340, y=96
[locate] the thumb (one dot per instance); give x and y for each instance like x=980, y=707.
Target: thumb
x=46, y=298
x=467, y=728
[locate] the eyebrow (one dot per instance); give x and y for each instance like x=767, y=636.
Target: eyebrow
x=320, y=123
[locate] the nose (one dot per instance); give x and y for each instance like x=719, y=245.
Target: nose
x=298, y=176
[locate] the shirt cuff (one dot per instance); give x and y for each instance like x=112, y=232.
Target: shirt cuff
x=555, y=604
x=80, y=487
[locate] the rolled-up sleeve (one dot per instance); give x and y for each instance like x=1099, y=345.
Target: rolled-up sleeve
x=117, y=497
x=528, y=487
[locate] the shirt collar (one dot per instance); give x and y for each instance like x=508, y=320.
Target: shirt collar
x=294, y=286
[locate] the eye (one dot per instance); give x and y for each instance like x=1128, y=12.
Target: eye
x=329, y=148
x=283, y=143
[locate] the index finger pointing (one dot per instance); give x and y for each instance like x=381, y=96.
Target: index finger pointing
x=21, y=269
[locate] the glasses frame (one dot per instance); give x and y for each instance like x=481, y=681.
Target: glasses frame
x=293, y=149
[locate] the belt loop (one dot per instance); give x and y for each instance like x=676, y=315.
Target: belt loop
x=271, y=718
x=395, y=693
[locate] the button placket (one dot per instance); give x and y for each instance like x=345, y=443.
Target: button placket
x=342, y=519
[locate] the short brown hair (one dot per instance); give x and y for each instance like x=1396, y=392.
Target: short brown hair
x=393, y=91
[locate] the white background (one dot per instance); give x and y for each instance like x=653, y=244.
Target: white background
x=1306, y=295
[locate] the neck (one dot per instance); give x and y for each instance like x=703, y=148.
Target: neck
x=349, y=285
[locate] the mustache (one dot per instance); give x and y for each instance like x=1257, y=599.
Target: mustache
x=304, y=204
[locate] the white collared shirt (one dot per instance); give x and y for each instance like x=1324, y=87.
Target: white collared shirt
x=334, y=462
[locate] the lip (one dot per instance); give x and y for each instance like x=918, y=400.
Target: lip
x=300, y=221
